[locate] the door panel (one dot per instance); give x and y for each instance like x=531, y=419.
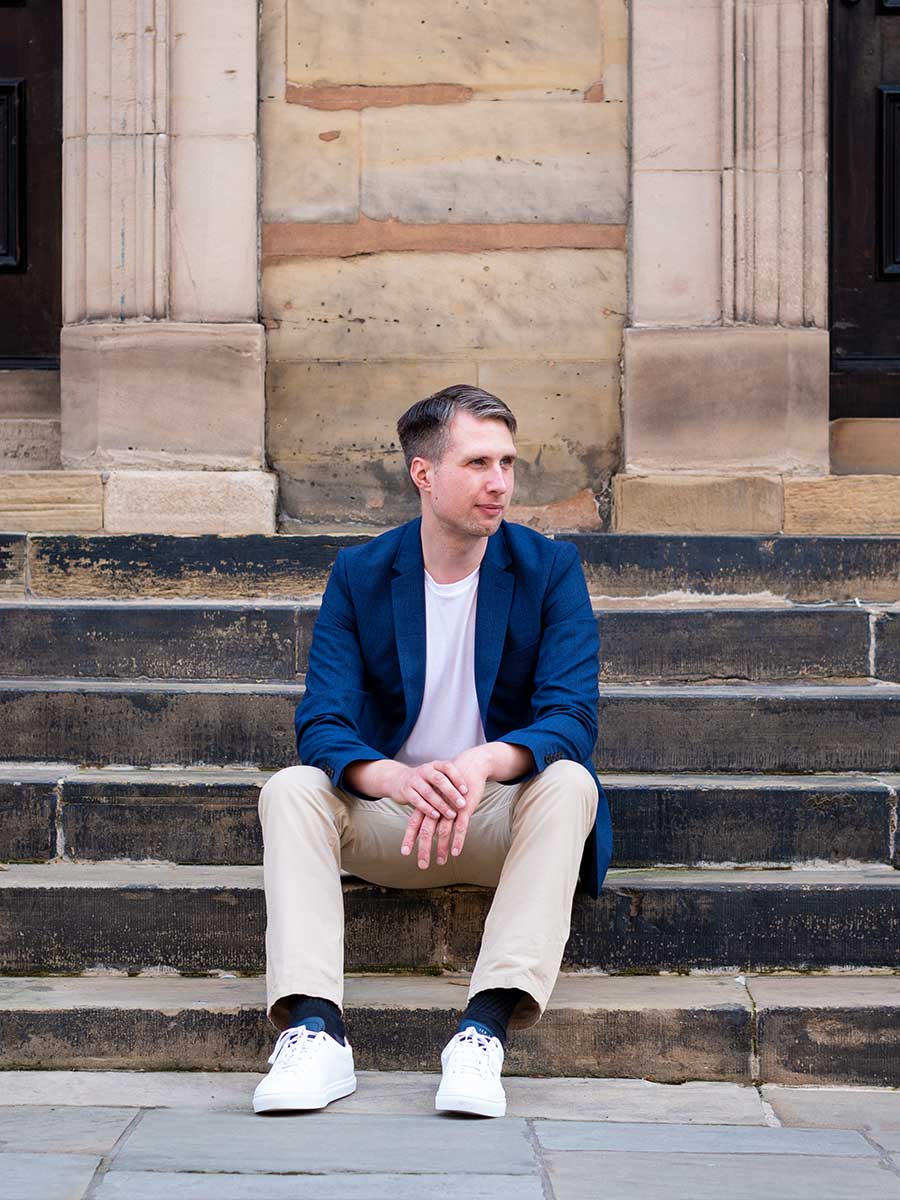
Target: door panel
x=30, y=181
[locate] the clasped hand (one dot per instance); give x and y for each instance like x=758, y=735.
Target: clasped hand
x=443, y=796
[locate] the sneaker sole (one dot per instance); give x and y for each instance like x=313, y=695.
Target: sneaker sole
x=477, y=1106
x=287, y=1101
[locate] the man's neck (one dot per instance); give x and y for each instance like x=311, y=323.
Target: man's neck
x=449, y=556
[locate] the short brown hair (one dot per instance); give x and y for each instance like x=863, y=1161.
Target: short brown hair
x=423, y=428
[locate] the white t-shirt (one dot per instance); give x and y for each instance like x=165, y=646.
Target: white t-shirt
x=449, y=721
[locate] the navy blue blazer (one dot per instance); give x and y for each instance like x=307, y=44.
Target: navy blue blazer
x=536, y=659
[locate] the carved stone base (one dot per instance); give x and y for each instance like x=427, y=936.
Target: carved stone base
x=163, y=394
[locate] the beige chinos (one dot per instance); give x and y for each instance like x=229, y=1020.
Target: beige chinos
x=525, y=839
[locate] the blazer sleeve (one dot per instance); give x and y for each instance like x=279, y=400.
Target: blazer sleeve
x=327, y=718
x=564, y=700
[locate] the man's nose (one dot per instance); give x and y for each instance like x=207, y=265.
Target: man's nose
x=497, y=480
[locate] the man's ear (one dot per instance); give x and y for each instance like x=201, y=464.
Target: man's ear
x=420, y=474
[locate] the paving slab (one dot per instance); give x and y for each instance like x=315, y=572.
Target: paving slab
x=243, y=1142
x=706, y=1139
x=46, y=1176
x=605, y=1176
x=398, y=1092
x=164, y=1185
x=888, y=1139
x=835, y=1108
x=62, y=1130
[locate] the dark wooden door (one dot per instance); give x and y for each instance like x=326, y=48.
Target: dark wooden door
x=30, y=182
x=864, y=275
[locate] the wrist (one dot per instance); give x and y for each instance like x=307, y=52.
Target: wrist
x=376, y=778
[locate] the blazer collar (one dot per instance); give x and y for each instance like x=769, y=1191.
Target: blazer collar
x=409, y=552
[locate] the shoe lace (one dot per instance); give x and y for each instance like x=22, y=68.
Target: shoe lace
x=294, y=1045
x=475, y=1054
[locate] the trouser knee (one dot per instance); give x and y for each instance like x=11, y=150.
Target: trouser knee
x=298, y=788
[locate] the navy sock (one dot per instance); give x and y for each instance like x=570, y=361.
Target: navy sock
x=316, y=1013
x=489, y=1012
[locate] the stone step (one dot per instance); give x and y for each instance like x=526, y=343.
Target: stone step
x=270, y=641
x=139, y=566
x=65, y=917
x=760, y=728
x=837, y=1030
x=210, y=816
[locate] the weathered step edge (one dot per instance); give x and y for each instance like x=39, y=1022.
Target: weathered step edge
x=668, y=1030
x=67, y=918
x=761, y=728
x=142, y=565
x=252, y=641
x=211, y=817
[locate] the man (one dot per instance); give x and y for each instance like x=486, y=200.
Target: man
x=450, y=710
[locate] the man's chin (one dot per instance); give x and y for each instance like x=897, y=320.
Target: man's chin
x=489, y=523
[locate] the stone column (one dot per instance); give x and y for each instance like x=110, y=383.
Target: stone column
x=162, y=356
x=726, y=356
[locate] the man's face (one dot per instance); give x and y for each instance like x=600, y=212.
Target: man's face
x=470, y=488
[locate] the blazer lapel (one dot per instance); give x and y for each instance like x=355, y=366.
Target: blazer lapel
x=495, y=592
x=408, y=600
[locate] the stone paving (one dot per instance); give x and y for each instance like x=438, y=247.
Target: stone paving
x=134, y=1136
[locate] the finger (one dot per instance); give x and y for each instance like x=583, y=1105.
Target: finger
x=452, y=772
x=426, y=836
x=440, y=792
x=459, y=833
x=416, y=817
x=416, y=799
x=444, y=830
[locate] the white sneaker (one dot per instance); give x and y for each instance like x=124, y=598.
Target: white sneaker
x=471, y=1063
x=309, y=1070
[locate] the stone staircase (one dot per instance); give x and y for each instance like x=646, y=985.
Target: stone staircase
x=750, y=746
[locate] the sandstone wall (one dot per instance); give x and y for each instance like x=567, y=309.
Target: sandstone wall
x=444, y=200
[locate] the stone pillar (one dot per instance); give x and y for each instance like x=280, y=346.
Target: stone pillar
x=726, y=354
x=162, y=357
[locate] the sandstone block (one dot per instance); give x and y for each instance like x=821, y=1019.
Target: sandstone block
x=615, y=20
x=738, y=398
x=325, y=408
x=272, y=50
x=531, y=161
x=163, y=394
x=576, y=513
x=29, y=445
x=29, y=394
x=309, y=174
x=677, y=68
x=569, y=426
x=214, y=219
x=173, y=502
x=303, y=240
x=362, y=487
x=696, y=504
x=51, y=501
x=865, y=446
x=115, y=187
x=213, y=66
x=615, y=79
x=844, y=504
x=677, y=252
x=510, y=43
x=332, y=434
x=547, y=304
